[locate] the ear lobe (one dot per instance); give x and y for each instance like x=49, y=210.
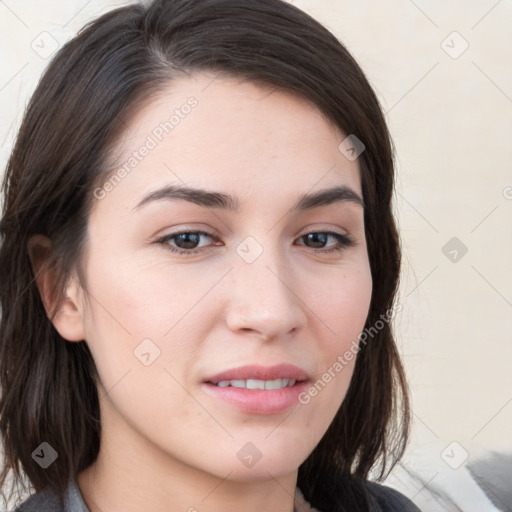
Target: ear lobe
x=67, y=317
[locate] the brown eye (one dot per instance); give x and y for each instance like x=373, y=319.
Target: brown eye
x=320, y=241
x=316, y=240
x=188, y=242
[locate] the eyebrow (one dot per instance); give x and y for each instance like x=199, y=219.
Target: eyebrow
x=210, y=199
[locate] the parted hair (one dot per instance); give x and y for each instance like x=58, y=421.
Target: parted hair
x=76, y=114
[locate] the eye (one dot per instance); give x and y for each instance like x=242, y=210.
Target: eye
x=187, y=242
x=193, y=242
x=319, y=241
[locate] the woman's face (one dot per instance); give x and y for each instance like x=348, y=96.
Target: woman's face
x=264, y=279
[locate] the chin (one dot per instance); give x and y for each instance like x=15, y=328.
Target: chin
x=261, y=472
x=253, y=464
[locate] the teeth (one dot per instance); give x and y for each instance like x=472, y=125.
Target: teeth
x=276, y=384
x=257, y=384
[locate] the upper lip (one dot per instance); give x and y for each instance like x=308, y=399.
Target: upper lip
x=279, y=371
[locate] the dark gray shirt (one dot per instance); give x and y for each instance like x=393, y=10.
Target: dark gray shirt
x=389, y=500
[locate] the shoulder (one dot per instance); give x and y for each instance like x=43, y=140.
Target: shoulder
x=48, y=501
x=43, y=501
x=391, y=500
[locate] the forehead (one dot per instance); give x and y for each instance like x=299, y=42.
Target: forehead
x=231, y=135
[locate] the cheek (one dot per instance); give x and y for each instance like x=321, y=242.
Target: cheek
x=341, y=310
x=348, y=302
x=341, y=304
x=146, y=297
x=146, y=326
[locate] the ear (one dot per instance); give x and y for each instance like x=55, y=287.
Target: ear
x=67, y=317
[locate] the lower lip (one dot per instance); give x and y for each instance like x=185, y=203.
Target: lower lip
x=258, y=401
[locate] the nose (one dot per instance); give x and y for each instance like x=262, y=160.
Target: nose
x=265, y=298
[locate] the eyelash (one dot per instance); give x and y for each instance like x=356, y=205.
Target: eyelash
x=344, y=242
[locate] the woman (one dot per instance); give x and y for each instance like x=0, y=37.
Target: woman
x=198, y=270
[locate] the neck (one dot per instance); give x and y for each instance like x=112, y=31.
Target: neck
x=144, y=478
x=106, y=491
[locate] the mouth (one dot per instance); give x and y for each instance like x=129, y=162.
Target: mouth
x=258, y=389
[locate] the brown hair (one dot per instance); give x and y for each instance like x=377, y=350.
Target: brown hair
x=110, y=67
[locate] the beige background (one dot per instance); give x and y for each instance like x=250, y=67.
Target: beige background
x=450, y=113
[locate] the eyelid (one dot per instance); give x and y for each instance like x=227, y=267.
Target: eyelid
x=208, y=231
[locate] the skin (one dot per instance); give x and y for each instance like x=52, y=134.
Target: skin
x=166, y=444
